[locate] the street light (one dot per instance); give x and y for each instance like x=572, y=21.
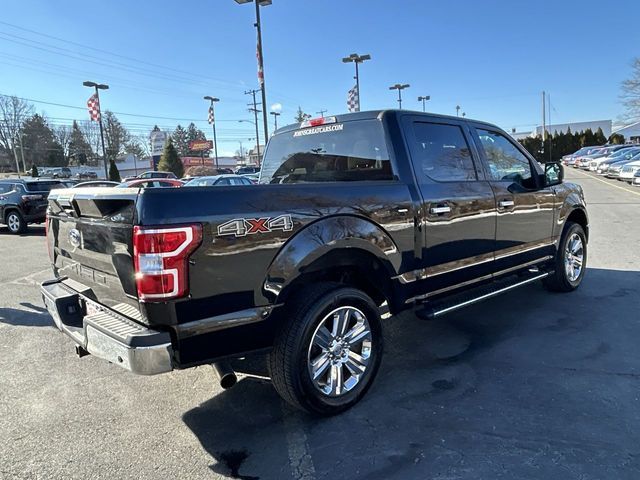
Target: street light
x=399, y=87
x=424, y=99
x=356, y=59
x=100, y=86
x=457, y=110
x=275, y=119
x=213, y=123
x=260, y=3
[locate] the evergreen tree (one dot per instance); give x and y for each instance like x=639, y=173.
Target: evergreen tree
x=40, y=145
x=114, y=173
x=170, y=161
x=34, y=171
x=180, y=140
x=616, y=139
x=116, y=136
x=301, y=116
x=599, y=137
x=194, y=133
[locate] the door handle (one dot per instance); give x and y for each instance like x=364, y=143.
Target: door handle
x=440, y=209
x=506, y=203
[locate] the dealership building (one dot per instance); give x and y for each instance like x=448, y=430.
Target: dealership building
x=605, y=125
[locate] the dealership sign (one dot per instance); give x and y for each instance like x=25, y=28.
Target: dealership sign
x=158, y=139
x=200, y=145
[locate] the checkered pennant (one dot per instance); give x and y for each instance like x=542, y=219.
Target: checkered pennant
x=94, y=107
x=353, y=99
x=212, y=118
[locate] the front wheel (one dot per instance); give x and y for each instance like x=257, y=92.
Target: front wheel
x=328, y=352
x=570, y=261
x=15, y=222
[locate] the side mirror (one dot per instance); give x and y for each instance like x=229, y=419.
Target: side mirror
x=553, y=174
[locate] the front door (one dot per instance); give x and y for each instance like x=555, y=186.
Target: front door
x=525, y=208
x=458, y=205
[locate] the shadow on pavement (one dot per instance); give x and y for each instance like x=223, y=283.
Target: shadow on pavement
x=31, y=316
x=527, y=385
x=32, y=231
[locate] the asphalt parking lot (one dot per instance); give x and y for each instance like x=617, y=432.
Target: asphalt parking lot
x=527, y=385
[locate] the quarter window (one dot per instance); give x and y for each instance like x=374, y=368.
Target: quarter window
x=441, y=153
x=506, y=162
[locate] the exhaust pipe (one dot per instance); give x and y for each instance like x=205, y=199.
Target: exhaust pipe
x=226, y=376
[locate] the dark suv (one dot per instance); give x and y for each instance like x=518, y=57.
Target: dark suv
x=24, y=201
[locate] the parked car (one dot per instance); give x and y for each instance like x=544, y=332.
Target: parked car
x=615, y=168
x=24, y=201
x=628, y=171
x=247, y=170
x=89, y=175
x=57, y=172
x=152, y=183
x=218, y=181
x=619, y=156
x=583, y=159
x=96, y=184
x=636, y=179
x=356, y=217
x=571, y=158
x=152, y=174
x=610, y=151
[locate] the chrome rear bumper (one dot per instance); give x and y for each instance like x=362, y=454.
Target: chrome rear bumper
x=107, y=335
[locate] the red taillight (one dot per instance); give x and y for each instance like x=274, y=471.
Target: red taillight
x=160, y=257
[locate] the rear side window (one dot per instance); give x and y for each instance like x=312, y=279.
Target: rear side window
x=334, y=152
x=6, y=187
x=42, y=186
x=441, y=153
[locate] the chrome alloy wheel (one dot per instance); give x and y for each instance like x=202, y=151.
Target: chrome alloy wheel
x=340, y=350
x=13, y=222
x=574, y=257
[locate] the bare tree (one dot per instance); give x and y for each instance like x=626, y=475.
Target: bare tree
x=62, y=134
x=13, y=112
x=631, y=92
x=91, y=132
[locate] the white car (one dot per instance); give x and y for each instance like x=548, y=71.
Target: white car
x=628, y=171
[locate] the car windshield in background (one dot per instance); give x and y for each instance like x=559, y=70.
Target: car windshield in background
x=334, y=152
x=42, y=186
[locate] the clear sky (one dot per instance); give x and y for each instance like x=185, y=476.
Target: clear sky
x=493, y=58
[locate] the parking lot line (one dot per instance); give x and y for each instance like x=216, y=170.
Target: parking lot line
x=607, y=183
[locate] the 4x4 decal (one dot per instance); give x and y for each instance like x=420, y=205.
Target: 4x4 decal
x=241, y=227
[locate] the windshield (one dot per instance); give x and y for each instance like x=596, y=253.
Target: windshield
x=42, y=186
x=336, y=152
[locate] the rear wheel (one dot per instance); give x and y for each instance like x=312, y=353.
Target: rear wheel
x=570, y=261
x=328, y=352
x=15, y=222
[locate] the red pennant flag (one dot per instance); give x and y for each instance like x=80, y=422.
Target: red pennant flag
x=94, y=107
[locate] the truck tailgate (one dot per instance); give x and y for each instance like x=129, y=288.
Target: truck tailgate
x=90, y=239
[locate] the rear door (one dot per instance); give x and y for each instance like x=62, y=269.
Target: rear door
x=458, y=204
x=525, y=208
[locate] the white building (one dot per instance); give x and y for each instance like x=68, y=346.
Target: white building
x=631, y=132
x=605, y=125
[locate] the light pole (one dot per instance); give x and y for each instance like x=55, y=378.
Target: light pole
x=355, y=58
x=100, y=86
x=424, y=99
x=212, y=121
x=457, y=110
x=275, y=120
x=260, y=3
x=399, y=87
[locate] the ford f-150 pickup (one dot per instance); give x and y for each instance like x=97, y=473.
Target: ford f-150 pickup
x=356, y=217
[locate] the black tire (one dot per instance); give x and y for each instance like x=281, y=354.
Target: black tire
x=15, y=222
x=559, y=280
x=289, y=360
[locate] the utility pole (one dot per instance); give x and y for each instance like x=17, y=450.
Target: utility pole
x=212, y=121
x=355, y=58
x=321, y=113
x=550, y=142
x=275, y=120
x=100, y=86
x=544, y=126
x=255, y=116
x=424, y=99
x=20, y=136
x=399, y=87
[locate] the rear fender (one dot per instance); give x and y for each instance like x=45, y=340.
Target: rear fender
x=326, y=237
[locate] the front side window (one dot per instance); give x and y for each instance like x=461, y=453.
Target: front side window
x=441, y=153
x=333, y=152
x=506, y=162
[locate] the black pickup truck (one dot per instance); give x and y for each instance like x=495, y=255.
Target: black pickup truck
x=355, y=218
